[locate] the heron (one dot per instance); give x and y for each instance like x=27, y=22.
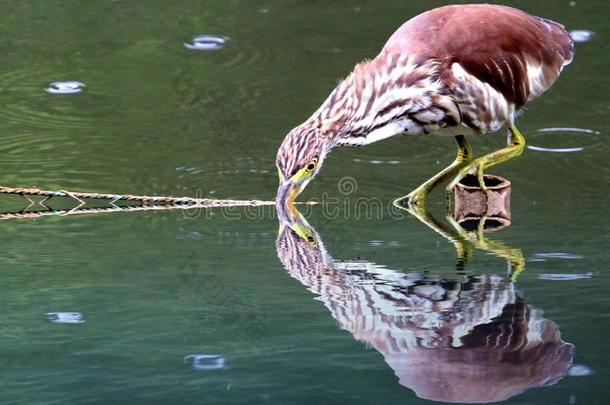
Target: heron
x=456, y=70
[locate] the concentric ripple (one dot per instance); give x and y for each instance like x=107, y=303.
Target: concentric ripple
x=206, y=43
x=230, y=167
x=65, y=317
x=564, y=276
x=206, y=362
x=541, y=257
x=580, y=370
x=70, y=87
x=571, y=140
x=28, y=103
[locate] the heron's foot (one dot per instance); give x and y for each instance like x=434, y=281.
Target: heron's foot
x=478, y=165
x=414, y=201
x=475, y=168
x=417, y=198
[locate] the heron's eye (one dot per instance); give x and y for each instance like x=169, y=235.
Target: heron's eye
x=312, y=165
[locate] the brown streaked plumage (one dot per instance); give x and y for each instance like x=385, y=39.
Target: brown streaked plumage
x=454, y=70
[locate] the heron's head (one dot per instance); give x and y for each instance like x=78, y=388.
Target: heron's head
x=299, y=159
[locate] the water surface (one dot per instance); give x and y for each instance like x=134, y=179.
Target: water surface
x=213, y=307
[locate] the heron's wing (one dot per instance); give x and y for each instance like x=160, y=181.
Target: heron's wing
x=518, y=54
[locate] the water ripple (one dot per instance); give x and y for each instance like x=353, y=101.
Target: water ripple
x=206, y=43
x=578, y=138
x=378, y=161
x=555, y=150
x=206, y=361
x=582, y=35
x=580, y=370
x=564, y=276
x=28, y=105
x=228, y=167
x=70, y=87
x=65, y=317
x=236, y=75
x=569, y=129
x=541, y=257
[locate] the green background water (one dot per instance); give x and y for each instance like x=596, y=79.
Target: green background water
x=156, y=118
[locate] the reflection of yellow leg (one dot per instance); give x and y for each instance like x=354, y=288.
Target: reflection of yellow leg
x=417, y=198
x=463, y=251
x=465, y=241
x=479, y=164
x=514, y=256
x=463, y=246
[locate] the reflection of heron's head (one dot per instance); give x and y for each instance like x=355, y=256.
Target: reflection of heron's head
x=294, y=226
x=299, y=246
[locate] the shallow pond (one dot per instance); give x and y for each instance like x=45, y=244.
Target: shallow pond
x=359, y=303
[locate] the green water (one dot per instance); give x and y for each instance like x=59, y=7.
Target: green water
x=363, y=313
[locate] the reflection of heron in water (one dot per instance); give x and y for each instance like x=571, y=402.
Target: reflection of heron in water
x=469, y=340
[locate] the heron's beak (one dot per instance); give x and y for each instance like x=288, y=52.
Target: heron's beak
x=287, y=192
x=291, y=218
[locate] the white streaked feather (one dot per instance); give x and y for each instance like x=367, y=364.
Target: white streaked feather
x=387, y=131
x=501, y=110
x=535, y=78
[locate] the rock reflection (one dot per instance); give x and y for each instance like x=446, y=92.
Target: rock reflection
x=472, y=339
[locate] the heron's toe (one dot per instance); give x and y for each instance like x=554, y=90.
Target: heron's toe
x=414, y=200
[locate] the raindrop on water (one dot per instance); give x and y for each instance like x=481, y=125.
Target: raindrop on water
x=65, y=317
x=569, y=129
x=555, y=150
x=580, y=370
x=566, y=131
x=555, y=255
x=71, y=87
x=582, y=35
x=206, y=361
x=206, y=43
x=564, y=276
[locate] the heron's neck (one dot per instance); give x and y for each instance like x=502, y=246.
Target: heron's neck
x=381, y=98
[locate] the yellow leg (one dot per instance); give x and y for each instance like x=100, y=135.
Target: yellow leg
x=417, y=197
x=478, y=165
